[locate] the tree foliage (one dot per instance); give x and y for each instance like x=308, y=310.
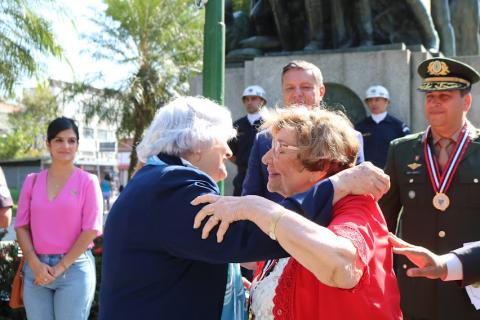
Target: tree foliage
x=28, y=126
x=161, y=42
x=24, y=34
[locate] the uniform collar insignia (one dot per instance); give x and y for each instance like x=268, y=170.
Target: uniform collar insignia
x=414, y=165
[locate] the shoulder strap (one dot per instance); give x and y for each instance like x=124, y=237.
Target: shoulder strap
x=33, y=184
x=34, y=180
x=31, y=191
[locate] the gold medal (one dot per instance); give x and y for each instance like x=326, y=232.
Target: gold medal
x=441, y=182
x=441, y=201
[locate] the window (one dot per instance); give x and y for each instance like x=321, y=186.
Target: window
x=88, y=133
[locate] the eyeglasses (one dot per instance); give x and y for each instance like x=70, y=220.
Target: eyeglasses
x=277, y=146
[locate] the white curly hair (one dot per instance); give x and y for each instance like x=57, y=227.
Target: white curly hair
x=186, y=124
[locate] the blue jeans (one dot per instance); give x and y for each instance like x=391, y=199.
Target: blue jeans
x=68, y=297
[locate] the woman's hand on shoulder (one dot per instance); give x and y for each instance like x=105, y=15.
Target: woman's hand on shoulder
x=224, y=210
x=219, y=210
x=362, y=179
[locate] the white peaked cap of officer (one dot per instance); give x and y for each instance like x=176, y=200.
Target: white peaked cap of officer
x=255, y=91
x=377, y=92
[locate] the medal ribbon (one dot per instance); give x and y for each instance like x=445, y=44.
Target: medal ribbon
x=441, y=183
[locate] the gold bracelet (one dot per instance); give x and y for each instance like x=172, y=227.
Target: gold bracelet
x=273, y=224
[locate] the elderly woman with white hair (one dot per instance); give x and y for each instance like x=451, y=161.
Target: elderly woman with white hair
x=155, y=265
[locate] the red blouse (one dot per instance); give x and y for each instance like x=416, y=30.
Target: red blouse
x=299, y=295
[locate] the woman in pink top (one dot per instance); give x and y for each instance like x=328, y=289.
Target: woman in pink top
x=59, y=215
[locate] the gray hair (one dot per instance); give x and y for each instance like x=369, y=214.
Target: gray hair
x=304, y=65
x=184, y=125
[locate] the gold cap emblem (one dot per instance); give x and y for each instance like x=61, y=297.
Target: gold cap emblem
x=438, y=68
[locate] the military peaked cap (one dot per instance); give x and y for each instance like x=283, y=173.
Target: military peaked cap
x=442, y=74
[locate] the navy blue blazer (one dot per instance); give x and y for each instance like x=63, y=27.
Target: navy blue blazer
x=470, y=258
x=156, y=266
x=377, y=137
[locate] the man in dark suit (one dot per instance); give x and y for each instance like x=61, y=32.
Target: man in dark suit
x=435, y=179
x=460, y=264
x=254, y=98
x=302, y=84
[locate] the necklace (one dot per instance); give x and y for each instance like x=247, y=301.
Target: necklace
x=55, y=183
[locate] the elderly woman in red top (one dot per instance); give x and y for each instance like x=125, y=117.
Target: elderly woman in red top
x=341, y=271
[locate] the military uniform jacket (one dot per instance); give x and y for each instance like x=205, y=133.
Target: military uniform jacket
x=422, y=224
x=242, y=144
x=377, y=137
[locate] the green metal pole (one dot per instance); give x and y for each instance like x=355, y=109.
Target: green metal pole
x=214, y=54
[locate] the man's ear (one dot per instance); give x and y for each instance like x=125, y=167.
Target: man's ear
x=322, y=90
x=467, y=102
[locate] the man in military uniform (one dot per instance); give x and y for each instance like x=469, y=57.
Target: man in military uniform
x=435, y=177
x=253, y=98
x=379, y=128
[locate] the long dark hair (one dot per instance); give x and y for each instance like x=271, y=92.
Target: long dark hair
x=60, y=124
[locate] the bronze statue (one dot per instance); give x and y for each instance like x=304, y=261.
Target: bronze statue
x=248, y=36
x=424, y=21
x=293, y=25
x=465, y=18
x=290, y=21
x=443, y=24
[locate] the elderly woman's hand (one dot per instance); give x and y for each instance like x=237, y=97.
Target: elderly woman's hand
x=362, y=179
x=225, y=210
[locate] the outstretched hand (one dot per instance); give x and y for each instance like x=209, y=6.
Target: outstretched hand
x=429, y=264
x=219, y=210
